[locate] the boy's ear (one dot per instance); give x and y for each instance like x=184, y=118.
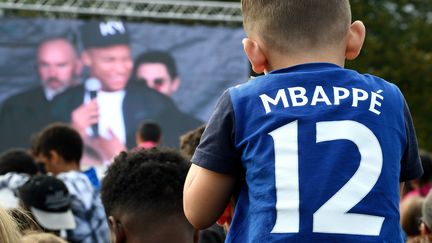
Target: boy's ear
x=55, y=157
x=255, y=55
x=356, y=37
x=117, y=232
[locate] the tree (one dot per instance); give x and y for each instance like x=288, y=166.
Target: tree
x=398, y=48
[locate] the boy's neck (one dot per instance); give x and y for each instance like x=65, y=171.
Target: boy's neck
x=279, y=61
x=70, y=166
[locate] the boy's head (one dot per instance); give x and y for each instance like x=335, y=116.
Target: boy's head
x=142, y=194
x=190, y=140
x=296, y=27
x=59, y=147
x=426, y=159
x=149, y=132
x=47, y=199
x=17, y=160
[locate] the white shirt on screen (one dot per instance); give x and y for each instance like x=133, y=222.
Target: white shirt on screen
x=110, y=114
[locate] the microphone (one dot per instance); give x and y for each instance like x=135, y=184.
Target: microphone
x=92, y=86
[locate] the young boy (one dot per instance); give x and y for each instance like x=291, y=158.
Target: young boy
x=142, y=195
x=319, y=150
x=148, y=135
x=59, y=147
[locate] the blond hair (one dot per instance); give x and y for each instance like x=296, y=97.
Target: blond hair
x=41, y=237
x=297, y=25
x=9, y=232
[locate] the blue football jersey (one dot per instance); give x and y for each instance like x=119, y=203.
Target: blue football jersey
x=322, y=150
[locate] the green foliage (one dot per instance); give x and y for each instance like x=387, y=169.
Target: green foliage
x=398, y=48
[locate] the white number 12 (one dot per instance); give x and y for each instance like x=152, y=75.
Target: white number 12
x=332, y=216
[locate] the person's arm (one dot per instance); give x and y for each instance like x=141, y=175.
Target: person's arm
x=205, y=196
x=215, y=169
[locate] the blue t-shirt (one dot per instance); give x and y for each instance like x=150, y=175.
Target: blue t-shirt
x=320, y=150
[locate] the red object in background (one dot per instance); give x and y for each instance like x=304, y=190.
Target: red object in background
x=226, y=216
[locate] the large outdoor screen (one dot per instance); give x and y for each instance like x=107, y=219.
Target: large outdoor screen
x=187, y=68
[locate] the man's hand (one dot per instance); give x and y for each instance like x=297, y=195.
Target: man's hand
x=84, y=116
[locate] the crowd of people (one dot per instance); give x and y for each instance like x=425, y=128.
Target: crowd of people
x=308, y=152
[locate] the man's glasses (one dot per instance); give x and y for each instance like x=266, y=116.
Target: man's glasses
x=158, y=82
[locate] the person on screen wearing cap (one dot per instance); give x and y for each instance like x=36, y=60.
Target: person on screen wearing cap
x=48, y=201
x=27, y=112
x=120, y=105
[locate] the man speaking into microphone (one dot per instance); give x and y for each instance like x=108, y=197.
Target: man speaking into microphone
x=108, y=116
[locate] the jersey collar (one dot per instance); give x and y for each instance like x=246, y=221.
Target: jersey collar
x=307, y=67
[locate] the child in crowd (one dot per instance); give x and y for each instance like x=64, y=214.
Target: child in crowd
x=420, y=186
x=148, y=135
x=47, y=201
x=425, y=223
x=142, y=193
x=19, y=161
x=59, y=147
x=323, y=150
x=16, y=161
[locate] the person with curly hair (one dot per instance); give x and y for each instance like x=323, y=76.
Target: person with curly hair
x=142, y=194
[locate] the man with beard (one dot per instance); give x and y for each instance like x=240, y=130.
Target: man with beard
x=25, y=113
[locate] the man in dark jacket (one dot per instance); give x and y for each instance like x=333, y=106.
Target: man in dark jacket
x=26, y=113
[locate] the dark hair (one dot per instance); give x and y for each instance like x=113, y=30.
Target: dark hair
x=17, y=160
x=61, y=138
x=190, y=140
x=426, y=160
x=149, y=131
x=296, y=25
x=156, y=57
x=411, y=214
x=148, y=181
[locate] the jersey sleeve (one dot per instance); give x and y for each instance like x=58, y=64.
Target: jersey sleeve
x=411, y=167
x=216, y=151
